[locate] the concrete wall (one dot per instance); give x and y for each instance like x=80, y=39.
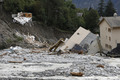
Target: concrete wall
x=111, y=38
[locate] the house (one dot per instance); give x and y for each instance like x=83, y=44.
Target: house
x=109, y=32
x=81, y=39
x=22, y=18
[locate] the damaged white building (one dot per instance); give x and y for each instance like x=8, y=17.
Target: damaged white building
x=82, y=39
x=22, y=18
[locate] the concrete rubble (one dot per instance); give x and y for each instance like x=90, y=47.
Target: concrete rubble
x=30, y=39
x=38, y=64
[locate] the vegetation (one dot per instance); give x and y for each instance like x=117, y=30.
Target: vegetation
x=91, y=19
x=110, y=10
x=107, y=10
x=61, y=14
x=101, y=8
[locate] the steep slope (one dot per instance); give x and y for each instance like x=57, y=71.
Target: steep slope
x=94, y=4
x=42, y=33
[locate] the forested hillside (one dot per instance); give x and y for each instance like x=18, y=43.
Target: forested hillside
x=94, y=4
x=56, y=13
x=59, y=14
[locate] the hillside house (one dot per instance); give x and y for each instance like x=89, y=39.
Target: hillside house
x=22, y=18
x=110, y=32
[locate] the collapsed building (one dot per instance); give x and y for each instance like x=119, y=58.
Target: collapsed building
x=82, y=41
x=22, y=18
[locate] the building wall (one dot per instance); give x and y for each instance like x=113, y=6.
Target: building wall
x=76, y=38
x=116, y=36
x=105, y=36
x=109, y=38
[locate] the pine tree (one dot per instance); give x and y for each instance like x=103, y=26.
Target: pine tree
x=91, y=20
x=110, y=10
x=101, y=8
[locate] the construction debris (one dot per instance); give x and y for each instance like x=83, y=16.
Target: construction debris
x=81, y=42
x=100, y=66
x=3, y=54
x=56, y=45
x=76, y=74
x=22, y=18
x=115, y=52
x=15, y=61
x=65, y=65
x=77, y=49
x=30, y=39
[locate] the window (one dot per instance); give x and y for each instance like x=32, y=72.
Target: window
x=110, y=47
x=109, y=38
x=109, y=30
x=106, y=45
x=78, y=33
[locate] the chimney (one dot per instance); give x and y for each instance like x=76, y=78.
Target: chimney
x=115, y=14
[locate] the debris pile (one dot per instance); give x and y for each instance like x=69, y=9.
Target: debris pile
x=30, y=39
x=38, y=63
x=22, y=18
x=82, y=41
x=115, y=52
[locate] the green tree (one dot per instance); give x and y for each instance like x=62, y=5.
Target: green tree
x=60, y=14
x=110, y=10
x=28, y=5
x=91, y=20
x=14, y=6
x=101, y=8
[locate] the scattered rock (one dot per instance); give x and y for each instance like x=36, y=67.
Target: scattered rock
x=77, y=74
x=100, y=66
x=25, y=59
x=15, y=61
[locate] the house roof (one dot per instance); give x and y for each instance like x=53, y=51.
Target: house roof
x=112, y=21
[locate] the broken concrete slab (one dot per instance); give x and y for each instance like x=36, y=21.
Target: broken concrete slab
x=59, y=43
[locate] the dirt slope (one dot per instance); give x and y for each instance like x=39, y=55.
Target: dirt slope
x=42, y=33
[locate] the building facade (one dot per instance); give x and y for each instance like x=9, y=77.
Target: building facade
x=109, y=32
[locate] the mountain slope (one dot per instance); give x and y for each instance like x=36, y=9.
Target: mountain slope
x=41, y=32
x=94, y=4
